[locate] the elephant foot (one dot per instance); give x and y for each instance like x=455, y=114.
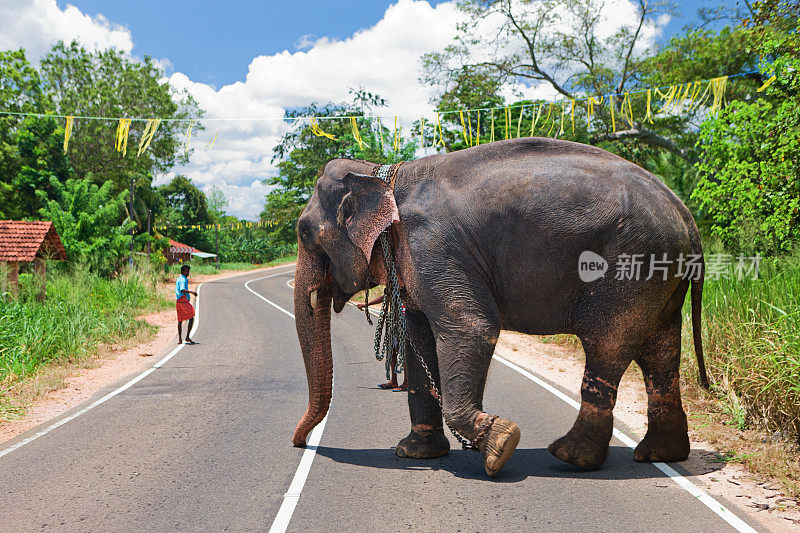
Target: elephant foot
x=498, y=445
x=423, y=444
x=579, y=450
x=662, y=447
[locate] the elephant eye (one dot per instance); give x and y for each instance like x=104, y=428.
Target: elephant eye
x=305, y=234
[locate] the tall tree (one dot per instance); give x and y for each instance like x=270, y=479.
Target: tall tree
x=109, y=84
x=186, y=205
x=750, y=165
x=566, y=45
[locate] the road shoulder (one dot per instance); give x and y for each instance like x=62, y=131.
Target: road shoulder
x=66, y=387
x=759, y=498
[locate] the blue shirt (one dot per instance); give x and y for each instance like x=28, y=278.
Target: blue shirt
x=181, y=284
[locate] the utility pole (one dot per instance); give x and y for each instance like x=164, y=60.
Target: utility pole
x=216, y=243
x=130, y=214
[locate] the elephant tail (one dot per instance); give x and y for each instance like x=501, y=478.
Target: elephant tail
x=697, y=307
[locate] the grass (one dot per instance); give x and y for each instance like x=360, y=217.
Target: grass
x=751, y=339
x=81, y=313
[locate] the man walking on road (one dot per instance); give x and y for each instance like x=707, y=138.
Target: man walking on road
x=184, y=308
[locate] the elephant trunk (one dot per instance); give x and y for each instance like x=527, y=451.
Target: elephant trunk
x=312, y=309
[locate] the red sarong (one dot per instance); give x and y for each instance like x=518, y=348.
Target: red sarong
x=185, y=310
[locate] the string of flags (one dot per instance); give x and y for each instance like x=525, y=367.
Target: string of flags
x=546, y=118
x=235, y=225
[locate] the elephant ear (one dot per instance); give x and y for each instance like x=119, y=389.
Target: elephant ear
x=367, y=210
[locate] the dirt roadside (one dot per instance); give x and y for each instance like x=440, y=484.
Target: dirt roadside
x=64, y=388
x=760, y=498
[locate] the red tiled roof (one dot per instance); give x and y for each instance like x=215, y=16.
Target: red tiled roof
x=176, y=247
x=22, y=240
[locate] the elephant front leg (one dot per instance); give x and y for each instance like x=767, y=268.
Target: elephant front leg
x=464, y=356
x=586, y=444
x=426, y=439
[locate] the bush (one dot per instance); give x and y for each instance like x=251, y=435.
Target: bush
x=82, y=311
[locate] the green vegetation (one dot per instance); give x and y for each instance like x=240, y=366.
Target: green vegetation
x=751, y=336
x=83, y=311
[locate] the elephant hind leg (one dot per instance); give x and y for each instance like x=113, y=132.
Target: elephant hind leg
x=586, y=444
x=667, y=436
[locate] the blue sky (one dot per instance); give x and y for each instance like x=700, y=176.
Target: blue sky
x=215, y=45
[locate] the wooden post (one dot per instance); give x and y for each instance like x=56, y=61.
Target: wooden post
x=3, y=277
x=13, y=278
x=41, y=272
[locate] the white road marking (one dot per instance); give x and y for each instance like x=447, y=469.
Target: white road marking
x=292, y=496
x=723, y=512
x=124, y=387
x=113, y=393
x=273, y=304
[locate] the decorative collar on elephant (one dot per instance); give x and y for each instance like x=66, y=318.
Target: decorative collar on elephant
x=387, y=173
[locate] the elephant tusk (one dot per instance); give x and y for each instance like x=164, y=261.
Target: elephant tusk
x=314, y=298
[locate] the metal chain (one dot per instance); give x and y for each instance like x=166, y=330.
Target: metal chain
x=392, y=325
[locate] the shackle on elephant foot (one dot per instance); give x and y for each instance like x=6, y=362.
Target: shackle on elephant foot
x=498, y=443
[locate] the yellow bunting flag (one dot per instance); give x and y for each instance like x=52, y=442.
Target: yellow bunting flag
x=519, y=121
x=147, y=136
x=397, y=133
x=463, y=127
x=535, y=119
x=718, y=86
x=68, y=131
x=422, y=133
x=613, y=118
x=188, y=136
x=549, y=111
x=316, y=130
x=478, y=129
x=491, y=134
x=552, y=123
x=380, y=134
x=469, y=126
x=213, y=141
x=590, y=103
x=508, y=119
x=439, y=125
x=767, y=83
x=356, y=134
x=627, y=113
x=695, y=93
x=572, y=113
x=649, y=115
x=121, y=143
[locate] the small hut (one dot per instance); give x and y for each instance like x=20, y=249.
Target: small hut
x=177, y=252
x=23, y=241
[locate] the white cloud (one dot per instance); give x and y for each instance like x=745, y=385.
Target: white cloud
x=383, y=59
x=38, y=24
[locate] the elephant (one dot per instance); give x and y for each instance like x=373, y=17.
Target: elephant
x=490, y=238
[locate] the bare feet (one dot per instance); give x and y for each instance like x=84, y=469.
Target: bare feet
x=388, y=385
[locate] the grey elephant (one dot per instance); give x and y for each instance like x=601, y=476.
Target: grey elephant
x=489, y=238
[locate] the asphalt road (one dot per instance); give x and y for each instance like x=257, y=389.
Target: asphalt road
x=204, y=444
